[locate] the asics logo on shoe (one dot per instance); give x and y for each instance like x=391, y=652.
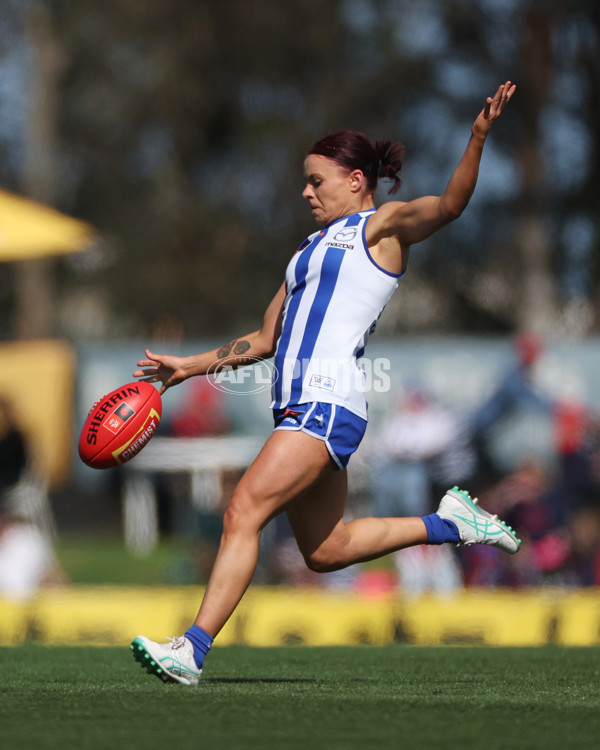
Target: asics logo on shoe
x=176, y=668
x=480, y=526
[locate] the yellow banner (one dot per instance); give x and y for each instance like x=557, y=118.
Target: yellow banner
x=271, y=616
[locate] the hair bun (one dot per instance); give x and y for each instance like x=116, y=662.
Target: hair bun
x=390, y=156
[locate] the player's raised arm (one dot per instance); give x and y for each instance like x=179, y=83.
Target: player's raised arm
x=171, y=370
x=416, y=220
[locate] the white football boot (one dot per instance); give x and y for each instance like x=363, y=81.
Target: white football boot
x=170, y=662
x=476, y=525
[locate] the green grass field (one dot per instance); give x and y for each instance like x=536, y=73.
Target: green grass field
x=102, y=559
x=305, y=698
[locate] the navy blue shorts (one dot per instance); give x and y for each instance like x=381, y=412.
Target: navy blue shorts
x=340, y=429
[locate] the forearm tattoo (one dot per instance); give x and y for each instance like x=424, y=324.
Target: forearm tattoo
x=241, y=347
x=236, y=346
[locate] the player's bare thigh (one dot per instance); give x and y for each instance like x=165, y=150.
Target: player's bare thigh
x=289, y=464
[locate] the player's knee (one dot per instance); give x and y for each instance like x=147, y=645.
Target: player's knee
x=241, y=515
x=236, y=517
x=324, y=559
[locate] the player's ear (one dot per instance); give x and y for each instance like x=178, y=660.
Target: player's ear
x=357, y=180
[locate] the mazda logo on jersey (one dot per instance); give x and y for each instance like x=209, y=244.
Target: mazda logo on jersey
x=346, y=235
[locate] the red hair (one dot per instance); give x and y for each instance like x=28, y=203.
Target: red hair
x=353, y=150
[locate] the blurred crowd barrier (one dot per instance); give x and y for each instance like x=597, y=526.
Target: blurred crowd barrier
x=275, y=616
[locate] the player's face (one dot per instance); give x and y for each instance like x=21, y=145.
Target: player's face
x=329, y=189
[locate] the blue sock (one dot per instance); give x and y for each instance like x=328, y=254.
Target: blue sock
x=201, y=641
x=440, y=530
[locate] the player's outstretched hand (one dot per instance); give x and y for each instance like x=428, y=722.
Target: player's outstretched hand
x=164, y=368
x=493, y=109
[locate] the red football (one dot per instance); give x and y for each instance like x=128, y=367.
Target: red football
x=119, y=425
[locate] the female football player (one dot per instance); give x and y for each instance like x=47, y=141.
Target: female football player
x=316, y=326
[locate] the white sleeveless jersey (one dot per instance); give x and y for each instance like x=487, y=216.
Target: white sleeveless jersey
x=335, y=295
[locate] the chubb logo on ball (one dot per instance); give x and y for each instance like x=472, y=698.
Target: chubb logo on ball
x=121, y=414
x=255, y=376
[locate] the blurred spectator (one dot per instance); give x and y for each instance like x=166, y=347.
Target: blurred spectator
x=288, y=567
x=13, y=448
x=584, y=539
x=202, y=414
x=27, y=560
x=419, y=436
x=576, y=437
x=557, y=517
x=516, y=392
x=420, y=451
x=521, y=491
x=519, y=499
x=26, y=557
x=428, y=568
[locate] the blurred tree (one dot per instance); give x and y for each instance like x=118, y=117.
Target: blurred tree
x=554, y=151
x=35, y=277
x=182, y=127
x=522, y=256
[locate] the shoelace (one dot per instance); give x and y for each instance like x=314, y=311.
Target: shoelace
x=177, y=642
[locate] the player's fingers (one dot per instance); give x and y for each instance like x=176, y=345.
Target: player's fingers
x=510, y=90
x=497, y=100
x=153, y=357
x=501, y=97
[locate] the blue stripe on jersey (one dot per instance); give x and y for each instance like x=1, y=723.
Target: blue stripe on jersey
x=354, y=220
x=300, y=273
x=359, y=353
x=330, y=270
